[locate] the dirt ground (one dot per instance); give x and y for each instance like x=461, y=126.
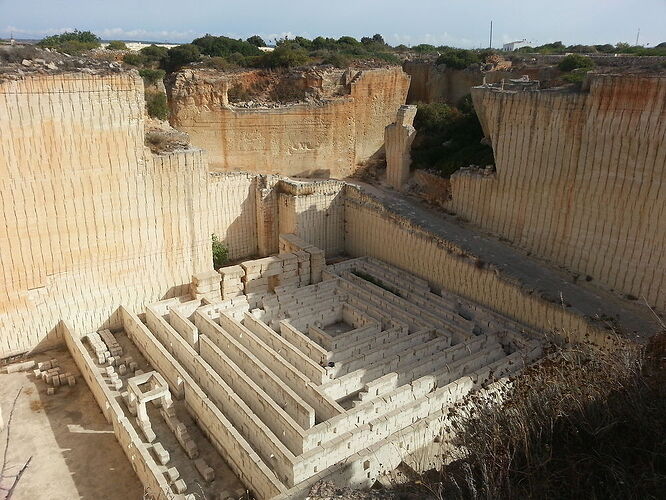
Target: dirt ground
x=74, y=451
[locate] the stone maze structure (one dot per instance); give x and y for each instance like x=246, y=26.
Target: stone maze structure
x=294, y=372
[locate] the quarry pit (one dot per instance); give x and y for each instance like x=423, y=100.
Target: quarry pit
x=350, y=317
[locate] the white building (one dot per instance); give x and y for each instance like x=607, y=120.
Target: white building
x=511, y=46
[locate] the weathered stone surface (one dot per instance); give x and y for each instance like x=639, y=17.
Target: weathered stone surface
x=328, y=138
x=398, y=139
x=580, y=179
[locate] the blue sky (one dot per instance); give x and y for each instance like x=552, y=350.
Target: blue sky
x=462, y=23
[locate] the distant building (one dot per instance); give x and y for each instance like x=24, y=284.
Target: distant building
x=511, y=46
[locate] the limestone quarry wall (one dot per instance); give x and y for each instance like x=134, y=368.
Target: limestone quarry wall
x=314, y=212
x=432, y=83
x=372, y=229
x=89, y=219
x=232, y=199
x=580, y=181
x=437, y=83
x=324, y=139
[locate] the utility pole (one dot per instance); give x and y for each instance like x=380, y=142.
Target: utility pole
x=637, y=35
x=491, y=34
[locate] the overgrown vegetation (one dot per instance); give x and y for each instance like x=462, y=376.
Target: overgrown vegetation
x=449, y=138
x=575, y=61
x=220, y=252
x=156, y=105
x=116, y=45
x=583, y=423
x=71, y=42
x=607, y=48
x=152, y=76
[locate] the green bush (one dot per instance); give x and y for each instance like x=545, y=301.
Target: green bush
x=78, y=40
x=459, y=58
x=151, y=76
x=156, y=105
x=285, y=56
x=575, y=61
x=222, y=46
x=134, y=59
x=575, y=77
x=180, y=55
x=336, y=59
x=220, y=252
x=116, y=45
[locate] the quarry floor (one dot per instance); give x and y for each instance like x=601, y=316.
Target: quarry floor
x=74, y=450
x=633, y=319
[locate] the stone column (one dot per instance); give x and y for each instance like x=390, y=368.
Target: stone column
x=398, y=138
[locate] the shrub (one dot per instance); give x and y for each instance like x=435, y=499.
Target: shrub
x=449, y=138
x=134, y=59
x=336, y=59
x=575, y=61
x=179, y=56
x=222, y=46
x=152, y=76
x=116, y=45
x=256, y=40
x=583, y=423
x=156, y=105
x=285, y=56
x=220, y=252
x=458, y=58
x=575, y=77
x=154, y=53
x=72, y=42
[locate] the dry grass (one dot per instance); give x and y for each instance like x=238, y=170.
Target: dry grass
x=583, y=423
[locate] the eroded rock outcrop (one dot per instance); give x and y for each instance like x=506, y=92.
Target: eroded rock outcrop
x=338, y=125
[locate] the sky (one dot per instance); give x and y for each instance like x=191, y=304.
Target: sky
x=460, y=23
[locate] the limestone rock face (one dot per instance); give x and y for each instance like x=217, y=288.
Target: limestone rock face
x=327, y=137
x=89, y=218
x=581, y=179
x=398, y=139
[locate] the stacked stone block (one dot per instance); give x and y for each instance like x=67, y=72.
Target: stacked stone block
x=206, y=285
x=292, y=243
x=232, y=284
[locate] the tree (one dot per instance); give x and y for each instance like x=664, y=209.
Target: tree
x=220, y=252
x=256, y=40
x=179, y=56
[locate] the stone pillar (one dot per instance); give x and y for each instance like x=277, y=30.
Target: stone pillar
x=398, y=138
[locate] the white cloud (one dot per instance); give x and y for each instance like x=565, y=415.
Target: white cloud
x=109, y=34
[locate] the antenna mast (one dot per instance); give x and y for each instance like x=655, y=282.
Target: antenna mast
x=491, y=34
x=637, y=35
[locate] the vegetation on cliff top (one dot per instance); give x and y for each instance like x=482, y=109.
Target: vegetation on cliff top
x=71, y=42
x=448, y=138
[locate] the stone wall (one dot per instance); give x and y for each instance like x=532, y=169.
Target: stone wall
x=89, y=219
x=322, y=139
x=580, y=181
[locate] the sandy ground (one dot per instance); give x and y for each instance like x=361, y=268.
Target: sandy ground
x=74, y=451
